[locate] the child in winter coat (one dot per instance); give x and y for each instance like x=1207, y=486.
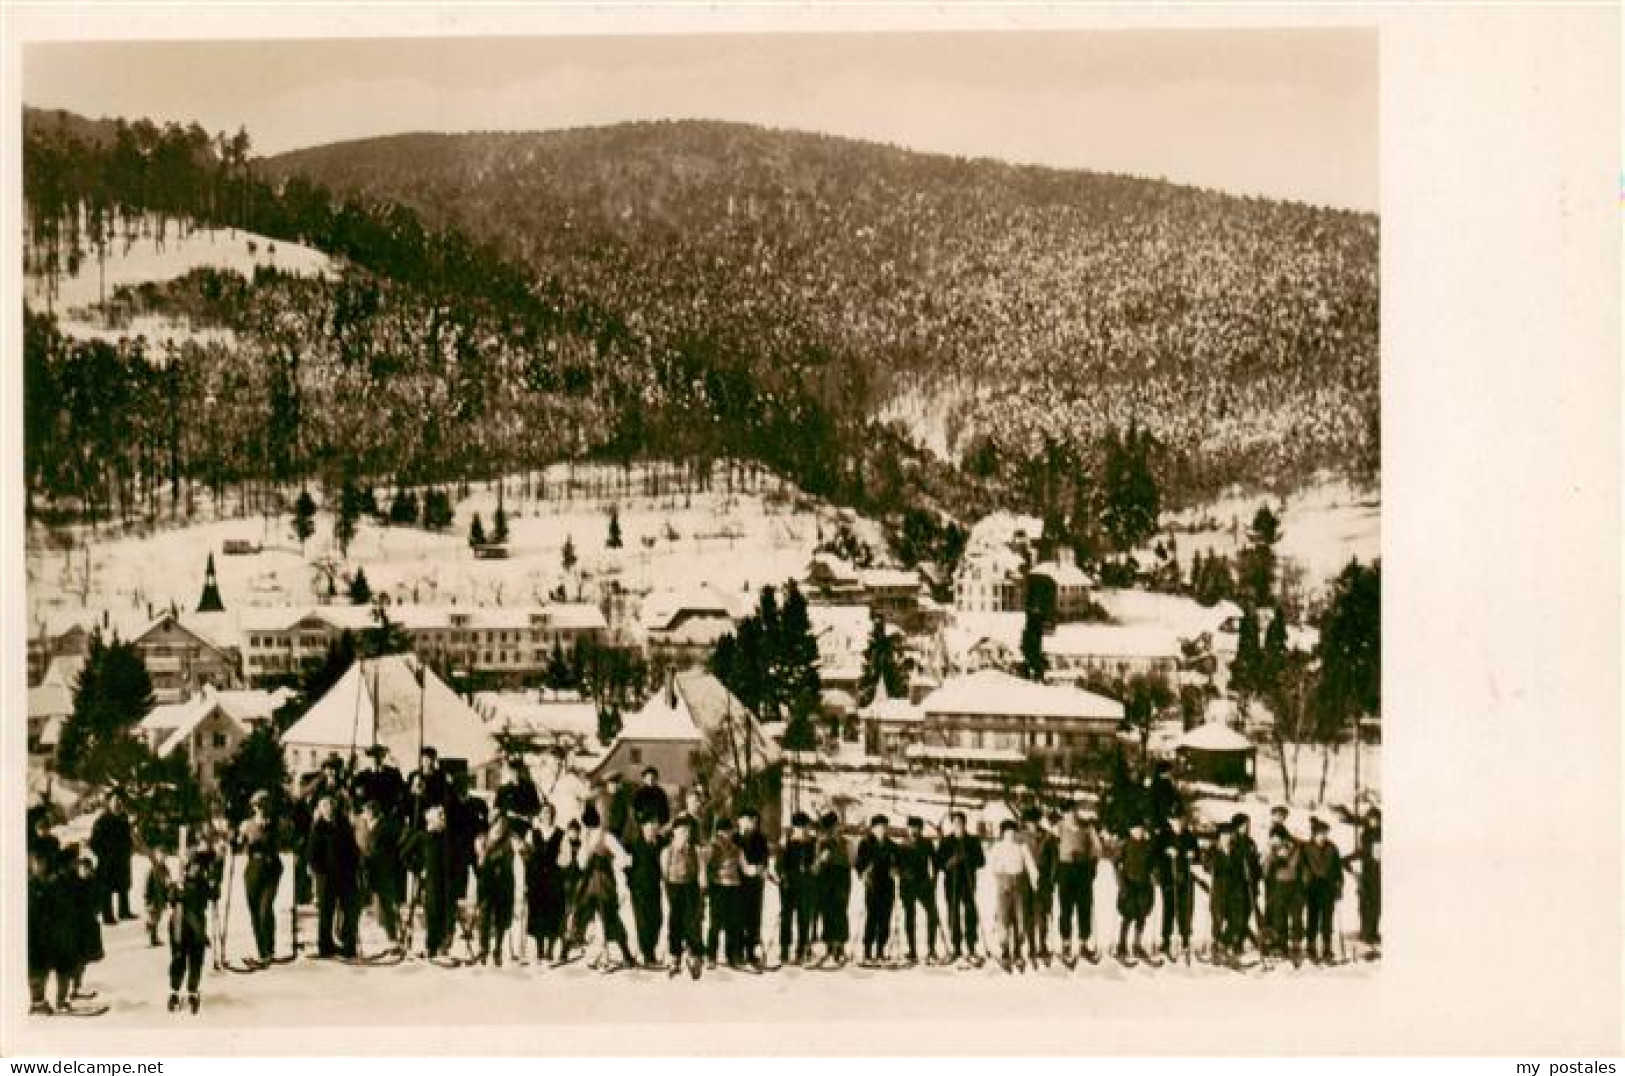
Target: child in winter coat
x=190, y=895
x=155, y=894
x=81, y=907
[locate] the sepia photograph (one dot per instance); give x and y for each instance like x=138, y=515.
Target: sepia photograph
x=541, y=529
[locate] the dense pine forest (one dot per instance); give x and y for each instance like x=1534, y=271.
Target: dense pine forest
x=693, y=292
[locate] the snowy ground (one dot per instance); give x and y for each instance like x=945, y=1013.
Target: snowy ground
x=735, y=543
x=1322, y=528
x=319, y=994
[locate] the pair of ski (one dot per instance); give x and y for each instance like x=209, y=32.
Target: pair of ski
x=249, y=965
x=70, y=1009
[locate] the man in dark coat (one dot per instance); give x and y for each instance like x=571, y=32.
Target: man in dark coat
x=429, y=851
x=434, y=786
x=1176, y=853
x=798, y=896
x=876, y=864
x=335, y=860
x=917, y=875
x=113, y=841
x=1135, y=860
x=1322, y=888
x=1078, y=853
x=754, y=858
x=380, y=842
x=44, y=933
x=467, y=817
x=832, y=868
x=262, y=872
x=643, y=882
x=650, y=800
x=517, y=796
x=959, y=858
x=1368, y=862
x=379, y=782
x=1040, y=840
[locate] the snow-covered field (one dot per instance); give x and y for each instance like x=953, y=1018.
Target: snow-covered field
x=323, y=994
x=1322, y=528
x=736, y=544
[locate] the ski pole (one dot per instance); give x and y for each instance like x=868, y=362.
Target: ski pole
x=225, y=915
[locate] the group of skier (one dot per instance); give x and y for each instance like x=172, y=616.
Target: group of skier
x=409, y=847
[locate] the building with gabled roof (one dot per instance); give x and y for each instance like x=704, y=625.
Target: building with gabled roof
x=991, y=710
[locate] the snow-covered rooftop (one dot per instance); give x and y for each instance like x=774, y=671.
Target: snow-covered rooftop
x=990, y=692
x=1111, y=641
x=1215, y=736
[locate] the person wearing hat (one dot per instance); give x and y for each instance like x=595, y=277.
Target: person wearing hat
x=959, y=857
x=1015, y=873
x=600, y=859
x=335, y=860
x=434, y=789
x=876, y=865
x=684, y=878
x=1322, y=888
x=650, y=800
x=378, y=782
x=832, y=869
x=1040, y=840
x=45, y=935
x=917, y=872
x=1077, y=857
x=113, y=841
x=380, y=837
x=1283, y=894
x=189, y=898
x=1175, y=855
x=798, y=898
x=755, y=858
x=724, y=873
x=1252, y=864
x=1228, y=896
x=517, y=797
x=79, y=914
x=262, y=872
x=1135, y=862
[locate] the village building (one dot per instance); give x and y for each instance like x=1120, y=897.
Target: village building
x=50, y=704
x=1075, y=652
x=209, y=727
x=991, y=579
x=683, y=627
x=991, y=719
x=1070, y=583
x=890, y=725
x=501, y=644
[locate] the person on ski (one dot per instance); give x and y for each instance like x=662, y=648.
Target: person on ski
x=1367, y=864
x=113, y=841
x=917, y=874
x=600, y=859
x=1077, y=852
x=544, y=882
x=755, y=861
x=1283, y=894
x=1229, y=896
x=429, y=852
x=1135, y=863
x=1015, y=875
x=959, y=857
x=1175, y=855
x=1040, y=841
x=1322, y=889
x=495, y=893
x=1246, y=851
x=684, y=878
x=46, y=934
x=262, y=872
x=335, y=860
x=81, y=914
x=832, y=869
x=197, y=887
x=724, y=874
x=798, y=900
x=643, y=883
x=876, y=865
x=466, y=818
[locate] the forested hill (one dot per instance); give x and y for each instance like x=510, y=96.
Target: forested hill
x=988, y=305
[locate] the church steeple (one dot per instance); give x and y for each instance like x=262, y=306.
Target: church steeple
x=210, y=602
